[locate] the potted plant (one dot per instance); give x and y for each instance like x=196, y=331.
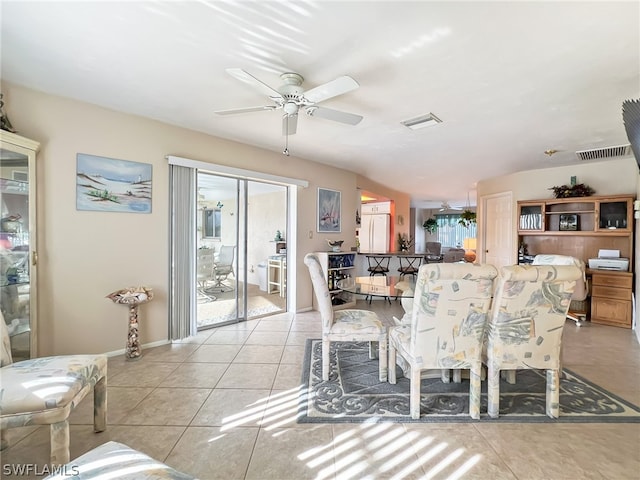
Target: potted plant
x=568, y=191
x=404, y=243
x=430, y=225
x=467, y=217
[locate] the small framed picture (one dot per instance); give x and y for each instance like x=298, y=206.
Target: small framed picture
x=568, y=222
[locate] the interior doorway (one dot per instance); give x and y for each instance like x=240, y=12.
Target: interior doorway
x=497, y=241
x=241, y=253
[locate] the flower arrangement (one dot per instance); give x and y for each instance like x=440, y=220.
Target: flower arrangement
x=568, y=191
x=430, y=225
x=467, y=217
x=404, y=242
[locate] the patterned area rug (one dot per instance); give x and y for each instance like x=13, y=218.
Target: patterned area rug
x=354, y=394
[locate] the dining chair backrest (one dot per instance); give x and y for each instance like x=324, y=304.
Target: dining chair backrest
x=320, y=289
x=528, y=314
x=582, y=289
x=449, y=314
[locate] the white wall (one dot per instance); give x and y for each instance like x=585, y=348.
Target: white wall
x=86, y=255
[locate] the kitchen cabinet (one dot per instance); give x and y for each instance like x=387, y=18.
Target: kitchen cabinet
x=374, y=208
x=337, y=266
x=18, y=246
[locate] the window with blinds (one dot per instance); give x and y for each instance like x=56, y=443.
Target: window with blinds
x=450, y=233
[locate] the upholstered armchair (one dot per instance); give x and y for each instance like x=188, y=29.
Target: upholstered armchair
x=433, y=252
x=525, y=327
x=447, y=324
x=113, y=460
x=44, y=391
x=453, y=255
x=348, y=325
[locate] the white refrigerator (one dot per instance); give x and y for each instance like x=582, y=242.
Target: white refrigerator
x=374, y=233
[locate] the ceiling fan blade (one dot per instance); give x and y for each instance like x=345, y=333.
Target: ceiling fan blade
x=289, y=124
x=245, y=110
x=335, y=115
x=331, y=89
x=249, y=79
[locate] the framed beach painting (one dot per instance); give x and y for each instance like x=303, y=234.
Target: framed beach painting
x=329, y=219
x=110, y=185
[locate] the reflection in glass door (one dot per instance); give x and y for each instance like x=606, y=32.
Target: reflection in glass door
x=240, y=267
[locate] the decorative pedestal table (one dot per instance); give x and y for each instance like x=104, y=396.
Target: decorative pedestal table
x=134, y=297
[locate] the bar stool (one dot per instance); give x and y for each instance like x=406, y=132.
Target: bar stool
x=409, y=265
x=378, y=264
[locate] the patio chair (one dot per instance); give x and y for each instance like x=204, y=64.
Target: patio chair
x=223, y=267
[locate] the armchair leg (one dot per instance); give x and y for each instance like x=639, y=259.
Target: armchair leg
x=445, y=375
x=391, y=373
x=493, y=391
x=457, y=375
x=60, y=443
x=326, y=346
x=553, y=394
x=100, y=405
x=474, y=391
x=414, y=395
x=383, y=358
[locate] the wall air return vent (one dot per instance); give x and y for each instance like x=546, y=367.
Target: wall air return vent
x=421, y=121
x=604, y=153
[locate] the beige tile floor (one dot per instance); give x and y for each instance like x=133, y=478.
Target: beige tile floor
x=222, y=406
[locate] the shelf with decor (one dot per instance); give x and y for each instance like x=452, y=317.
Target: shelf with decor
x=580, y=227
x=337, y=266
x=612, y=215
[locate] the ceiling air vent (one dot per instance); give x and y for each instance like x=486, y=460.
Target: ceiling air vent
x=421, y=121
x=604, y=153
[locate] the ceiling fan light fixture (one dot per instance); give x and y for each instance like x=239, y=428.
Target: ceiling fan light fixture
x=422, y=121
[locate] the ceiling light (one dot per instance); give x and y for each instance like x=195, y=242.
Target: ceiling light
x=421, y=121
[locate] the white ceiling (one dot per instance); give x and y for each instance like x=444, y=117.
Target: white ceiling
x=509, y=79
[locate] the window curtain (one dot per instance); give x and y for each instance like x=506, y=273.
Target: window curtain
x=182, y=262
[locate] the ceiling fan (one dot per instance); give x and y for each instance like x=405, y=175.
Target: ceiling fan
x=446, y=206
x=291, y=97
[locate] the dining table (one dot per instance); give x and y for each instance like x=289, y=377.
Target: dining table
x=386, y=286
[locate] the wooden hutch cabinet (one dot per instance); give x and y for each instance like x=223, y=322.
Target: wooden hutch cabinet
x=581, y=227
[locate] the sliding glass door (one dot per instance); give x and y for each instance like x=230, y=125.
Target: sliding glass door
x=241, y=249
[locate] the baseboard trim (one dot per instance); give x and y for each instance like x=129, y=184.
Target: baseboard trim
x=146, y=345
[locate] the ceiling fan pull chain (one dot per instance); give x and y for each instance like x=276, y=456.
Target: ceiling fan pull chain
x=286, y=135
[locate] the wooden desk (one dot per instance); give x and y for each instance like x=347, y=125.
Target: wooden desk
x=611, y=294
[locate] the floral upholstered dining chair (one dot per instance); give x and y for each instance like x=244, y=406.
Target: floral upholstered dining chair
x=525, y=327
x=448, y=319
x=348, y=325
x=44, y=391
